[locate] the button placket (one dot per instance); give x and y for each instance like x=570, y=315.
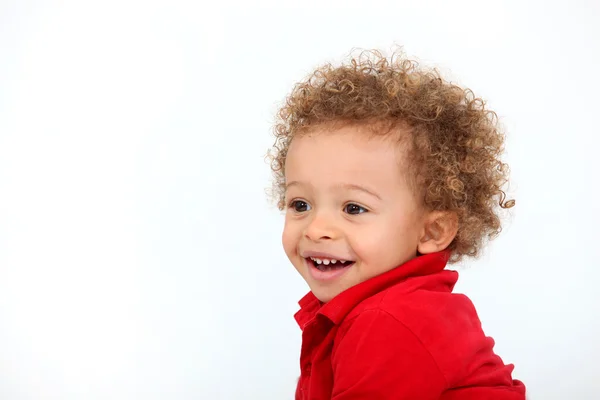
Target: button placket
x=308, y=368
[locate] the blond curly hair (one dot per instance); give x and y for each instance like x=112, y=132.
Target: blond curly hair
x=455, y=142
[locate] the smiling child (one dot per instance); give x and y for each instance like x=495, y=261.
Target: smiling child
x=388, y=173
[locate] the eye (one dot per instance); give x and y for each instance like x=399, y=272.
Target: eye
x=299, y=206
x=354, y=209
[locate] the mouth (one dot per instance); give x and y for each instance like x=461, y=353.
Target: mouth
x=327, y=270
x=328, y=264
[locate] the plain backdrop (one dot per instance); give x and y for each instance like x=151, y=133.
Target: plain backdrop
x=139, y=255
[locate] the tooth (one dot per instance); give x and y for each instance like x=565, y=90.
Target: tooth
x=318, y=261
x=326, y=262
x=333, y=261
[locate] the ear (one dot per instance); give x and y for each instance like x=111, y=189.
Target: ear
x=439, y=230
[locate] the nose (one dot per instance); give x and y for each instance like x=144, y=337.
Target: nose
x=321, y=227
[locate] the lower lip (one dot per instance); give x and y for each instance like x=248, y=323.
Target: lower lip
x=325, y=276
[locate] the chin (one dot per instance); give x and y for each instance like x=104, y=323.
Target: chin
x=326, y=290
x=325, y=295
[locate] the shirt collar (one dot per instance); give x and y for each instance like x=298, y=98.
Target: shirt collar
x=342, y=304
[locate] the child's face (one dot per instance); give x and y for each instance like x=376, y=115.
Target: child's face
x=349, y=201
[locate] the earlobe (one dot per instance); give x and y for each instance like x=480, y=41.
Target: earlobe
x=439, y=231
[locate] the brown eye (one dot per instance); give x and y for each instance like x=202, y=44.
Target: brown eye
x=300, y=206
x=354, y=209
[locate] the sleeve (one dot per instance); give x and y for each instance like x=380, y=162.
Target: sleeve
x=379, y=358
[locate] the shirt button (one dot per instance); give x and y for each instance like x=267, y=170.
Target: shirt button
x=307, y=369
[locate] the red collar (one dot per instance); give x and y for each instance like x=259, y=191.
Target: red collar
x=343, y=303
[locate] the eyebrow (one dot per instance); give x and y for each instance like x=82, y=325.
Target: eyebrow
x=347, y=186
x=352, y=186
x=292, y=183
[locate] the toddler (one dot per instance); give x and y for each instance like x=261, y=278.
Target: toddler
x=387, y=173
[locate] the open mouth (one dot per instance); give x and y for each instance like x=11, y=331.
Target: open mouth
x=324, y=264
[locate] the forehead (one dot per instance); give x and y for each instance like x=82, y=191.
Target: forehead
x=347, y=154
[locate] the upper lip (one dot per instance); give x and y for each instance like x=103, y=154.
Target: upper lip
x=322, y=255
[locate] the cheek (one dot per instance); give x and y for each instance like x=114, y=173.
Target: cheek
x=367, y=242
x=383, y=243
x=289, y=238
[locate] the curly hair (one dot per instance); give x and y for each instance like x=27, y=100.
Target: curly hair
x=455, y=143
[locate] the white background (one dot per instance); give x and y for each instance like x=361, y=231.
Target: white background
x=139, y=255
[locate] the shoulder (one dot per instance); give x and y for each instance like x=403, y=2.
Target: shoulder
x=376, y=356
x=446, y=324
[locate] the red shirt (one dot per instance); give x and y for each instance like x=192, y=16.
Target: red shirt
x=400, y=335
